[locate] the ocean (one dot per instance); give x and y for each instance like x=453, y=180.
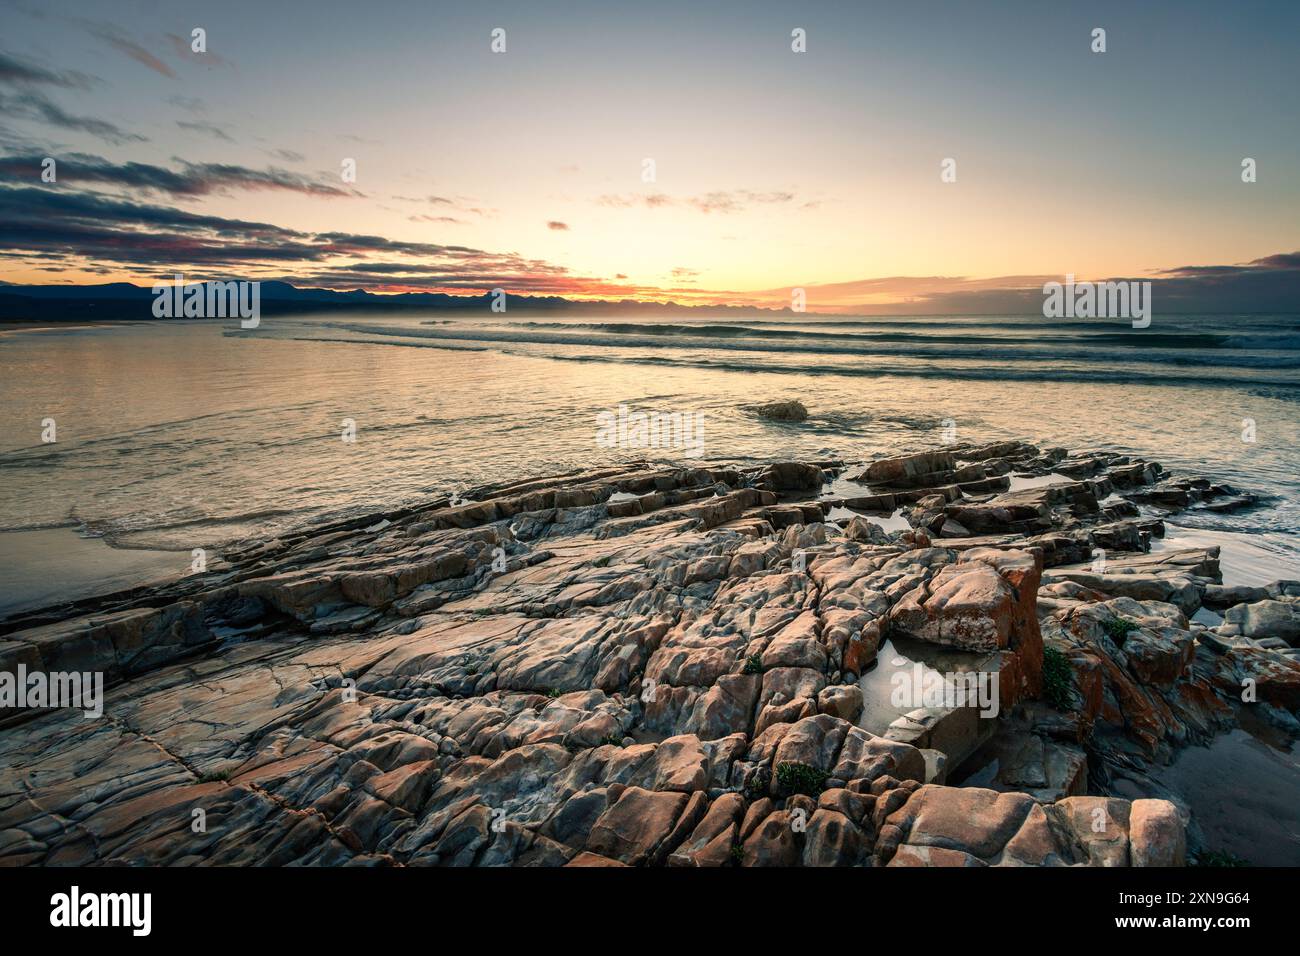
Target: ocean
x=175, y=435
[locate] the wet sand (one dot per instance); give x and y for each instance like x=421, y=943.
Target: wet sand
x=51, y=565
x=25, y=325
x=1243, y=792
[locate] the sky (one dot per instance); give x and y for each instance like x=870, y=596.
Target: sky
x=772, y=169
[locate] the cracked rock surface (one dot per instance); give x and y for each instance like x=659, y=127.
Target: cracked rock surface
x=643, y=666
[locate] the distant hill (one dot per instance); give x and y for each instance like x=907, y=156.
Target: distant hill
x=122, y=301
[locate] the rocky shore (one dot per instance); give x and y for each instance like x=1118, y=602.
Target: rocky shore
x=647, y=666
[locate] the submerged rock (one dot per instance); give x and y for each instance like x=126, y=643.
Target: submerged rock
x=791, y=411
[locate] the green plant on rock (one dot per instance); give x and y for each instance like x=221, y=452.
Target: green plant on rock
x=214, y=776
x=756, y=786
x=753, y=665
x=1057, y=676
x=1117, y=628
x=737, y=852
x=795, y=777
x=1219, y=858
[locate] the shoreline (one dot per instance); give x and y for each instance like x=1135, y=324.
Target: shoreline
x=45, y=566
x=73, y=325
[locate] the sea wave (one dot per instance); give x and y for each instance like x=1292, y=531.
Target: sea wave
x=1162, y=349
x=1107, y=332
x=991, y=373
x=1282, y=341
x=1027, y=332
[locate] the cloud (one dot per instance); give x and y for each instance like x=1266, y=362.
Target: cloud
x=1268, y=284
x=212, y=129
x=209, y=177
x=437, y=200
x=184, y=48
x=1283, y=262
x=62, y=228
x=191, y=104
x=460, y=204
x=18, y=72
x=719, y=201
x=193, y=179
x=288, y=155
x=557, y=226
x=729, y=202
x=34, y=106
x=114, y=38
x=29, y=103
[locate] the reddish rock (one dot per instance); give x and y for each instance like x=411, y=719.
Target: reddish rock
x=1156, y=834
x=773, y=843
x=633, y=829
